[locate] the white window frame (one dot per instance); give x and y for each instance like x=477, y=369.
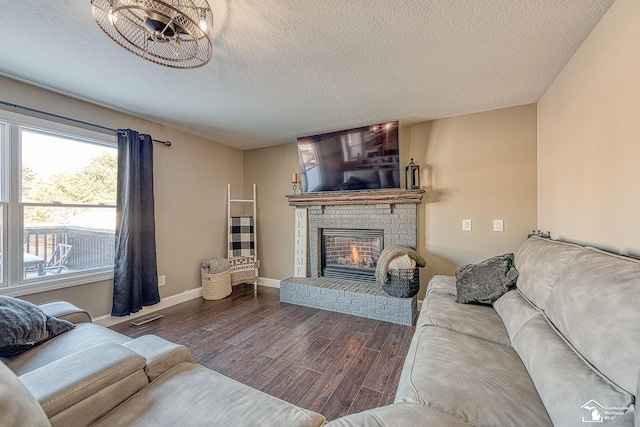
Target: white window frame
x=13, y=283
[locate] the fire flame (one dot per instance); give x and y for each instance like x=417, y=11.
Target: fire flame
x=354, y=254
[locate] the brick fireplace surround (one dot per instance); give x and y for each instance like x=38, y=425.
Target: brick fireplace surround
x=394, y=212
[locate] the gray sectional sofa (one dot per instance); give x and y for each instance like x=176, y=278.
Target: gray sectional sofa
x=93, y=376
x=562, y=348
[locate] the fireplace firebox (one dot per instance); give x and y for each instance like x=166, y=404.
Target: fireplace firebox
x=351, y=254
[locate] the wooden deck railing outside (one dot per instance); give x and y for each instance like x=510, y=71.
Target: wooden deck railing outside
x=91, y=248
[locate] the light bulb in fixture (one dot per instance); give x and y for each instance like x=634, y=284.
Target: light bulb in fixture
x=203, y=25
x=113, y=18
x=203, y=21
x=150, y=29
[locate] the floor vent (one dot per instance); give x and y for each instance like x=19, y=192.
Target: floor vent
x=146, y=319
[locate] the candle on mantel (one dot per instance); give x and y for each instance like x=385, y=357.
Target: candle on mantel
x=294, y=177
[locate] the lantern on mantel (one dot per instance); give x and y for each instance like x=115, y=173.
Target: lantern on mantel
x=412, y=176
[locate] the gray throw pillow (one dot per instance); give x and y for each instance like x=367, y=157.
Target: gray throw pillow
x=486, y=281
x=24, y=325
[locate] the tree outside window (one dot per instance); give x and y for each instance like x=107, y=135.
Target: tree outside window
x=68, y=197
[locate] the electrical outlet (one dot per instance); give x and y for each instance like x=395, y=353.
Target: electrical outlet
x=466, y=225
x=498, y=225
x=161, y=281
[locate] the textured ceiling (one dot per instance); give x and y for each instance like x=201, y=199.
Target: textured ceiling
x=283, y=69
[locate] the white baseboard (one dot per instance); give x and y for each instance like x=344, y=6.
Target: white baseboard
x=108, y=320
x=268, y=283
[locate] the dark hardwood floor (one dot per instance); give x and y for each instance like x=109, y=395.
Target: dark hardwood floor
x=331, y=363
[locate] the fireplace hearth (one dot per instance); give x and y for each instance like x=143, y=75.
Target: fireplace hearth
x=350, y=254
x=390, y=214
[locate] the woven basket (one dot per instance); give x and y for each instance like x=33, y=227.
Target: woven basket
x=216, y=286
x=403, y=283
x=245, y=276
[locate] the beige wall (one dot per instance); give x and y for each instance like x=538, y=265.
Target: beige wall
x=271, y=169
x=190, y=192
x=588, y=139
x=480, y=167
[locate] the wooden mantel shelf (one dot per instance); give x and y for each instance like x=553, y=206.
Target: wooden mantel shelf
x=364, y=197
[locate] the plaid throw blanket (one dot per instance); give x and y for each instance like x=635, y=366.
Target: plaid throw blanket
x=241, y=237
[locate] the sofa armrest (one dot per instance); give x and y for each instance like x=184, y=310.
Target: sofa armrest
x=161, y=354
x=18, y=407
x=442, y=285
x=399, y=415
x=71, y=379
x=66, y=311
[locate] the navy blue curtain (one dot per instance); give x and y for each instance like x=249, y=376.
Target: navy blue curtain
x=136, y=268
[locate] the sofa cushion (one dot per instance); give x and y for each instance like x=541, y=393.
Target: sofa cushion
x=477, y=320
x=399, y=415
x=95, y=406
x=161, y=355
x=486, y=281
x=67, y=381
x=514, y=311
x=478, y=381
x=82, y=336
x=197, y=396
x=540, y=262
x=25, y=325
x=596, y=306
x=18, y=407
x=564, y=380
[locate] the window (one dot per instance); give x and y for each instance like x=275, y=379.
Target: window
x=309, y=164
x=58, y=205
x=352, y=148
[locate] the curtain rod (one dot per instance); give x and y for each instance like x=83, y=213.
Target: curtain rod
x=35, y=112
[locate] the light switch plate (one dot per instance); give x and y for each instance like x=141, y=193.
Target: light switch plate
x=466, y=225
x=498, y=225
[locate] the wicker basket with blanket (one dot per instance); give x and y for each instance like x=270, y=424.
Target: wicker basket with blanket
x=397, y=271
x=216, y=278
x=402, y=282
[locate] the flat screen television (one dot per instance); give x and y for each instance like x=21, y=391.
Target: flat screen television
x=364, y=158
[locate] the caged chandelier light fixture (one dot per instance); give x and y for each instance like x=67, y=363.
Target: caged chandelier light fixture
x=173, y=33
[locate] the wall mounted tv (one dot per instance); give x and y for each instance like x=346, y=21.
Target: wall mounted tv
x=365, y=158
